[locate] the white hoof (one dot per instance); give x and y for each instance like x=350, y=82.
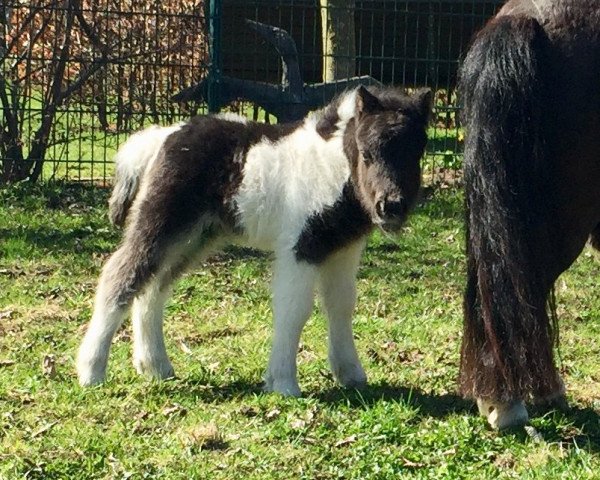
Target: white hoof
x=91, y=370
x=286, y=387
x=158, y=368
x=503, y=415
x=350, y=375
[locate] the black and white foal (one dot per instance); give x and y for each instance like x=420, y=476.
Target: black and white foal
x=308, y=191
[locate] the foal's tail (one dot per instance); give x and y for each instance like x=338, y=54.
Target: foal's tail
x=132, y=161
x=507, y=350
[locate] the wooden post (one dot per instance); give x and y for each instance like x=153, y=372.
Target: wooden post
x=339, y=50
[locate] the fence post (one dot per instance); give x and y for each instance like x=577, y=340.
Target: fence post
x=214, y=38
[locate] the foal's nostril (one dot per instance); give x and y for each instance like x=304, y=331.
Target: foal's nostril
x=395, y=208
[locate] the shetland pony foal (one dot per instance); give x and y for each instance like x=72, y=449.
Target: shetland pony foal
x=309, y=191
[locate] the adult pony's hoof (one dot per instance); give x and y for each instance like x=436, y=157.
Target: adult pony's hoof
x=503, y=415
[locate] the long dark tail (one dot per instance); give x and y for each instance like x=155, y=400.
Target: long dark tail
x=131, y=163
x=507, y=350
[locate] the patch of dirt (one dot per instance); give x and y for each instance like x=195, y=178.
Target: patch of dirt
x=15, y=317
x=204, y=337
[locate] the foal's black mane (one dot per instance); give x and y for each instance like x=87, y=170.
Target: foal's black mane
x=391, y=98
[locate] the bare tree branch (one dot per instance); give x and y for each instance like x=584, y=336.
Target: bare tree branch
x=23, y=27
x=40, y=138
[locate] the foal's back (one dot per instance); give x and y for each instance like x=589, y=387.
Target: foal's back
x=198, y=169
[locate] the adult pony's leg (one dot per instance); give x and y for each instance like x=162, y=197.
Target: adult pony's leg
x=507, y=351
x=293, y=297
x=337, y=278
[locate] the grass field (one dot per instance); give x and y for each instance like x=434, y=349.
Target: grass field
x=212, y=421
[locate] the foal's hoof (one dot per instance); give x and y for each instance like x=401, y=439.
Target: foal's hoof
x=503, y=415
x=88, y=377
x=90, y=370
x=353, y=377
x=158, y=369
x=287, y=388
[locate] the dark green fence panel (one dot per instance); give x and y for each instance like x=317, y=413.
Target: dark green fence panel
x=143, y=52
x=409, y=43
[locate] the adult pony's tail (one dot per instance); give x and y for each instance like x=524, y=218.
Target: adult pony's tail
x=131, y=162
x=507, y=351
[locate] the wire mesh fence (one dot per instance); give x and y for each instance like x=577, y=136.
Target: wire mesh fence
x=77, y=76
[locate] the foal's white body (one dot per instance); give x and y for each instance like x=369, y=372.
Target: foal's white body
x=283, y=184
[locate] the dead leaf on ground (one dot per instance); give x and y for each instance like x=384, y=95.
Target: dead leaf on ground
x=4, y=314
x=297, y=424
x=184, y=348
x=248, y=411
x=49, y=366
x=272, y=414
x=409, y=463
x=346, y=441
x=43, y=429
x=173, y=409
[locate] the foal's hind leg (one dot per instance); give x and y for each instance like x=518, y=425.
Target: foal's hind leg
x=293, y=296
x=150, y=356
x=337, y=278
x=149, y=352
x=122, y=275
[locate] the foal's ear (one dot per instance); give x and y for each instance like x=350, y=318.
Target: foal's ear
x=423, y=98
x=366, y=102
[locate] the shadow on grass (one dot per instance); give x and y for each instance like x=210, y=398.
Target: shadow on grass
x=577, y=427
x=429, y=404
x=79, y=240
x=571, y=426
x=88, y=240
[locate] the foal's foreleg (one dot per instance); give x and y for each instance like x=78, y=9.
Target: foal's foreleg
x=293, y=296
x=337, y=278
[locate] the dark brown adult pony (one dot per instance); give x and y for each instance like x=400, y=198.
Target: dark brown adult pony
x=530, y=85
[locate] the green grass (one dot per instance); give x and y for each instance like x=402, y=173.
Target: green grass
x=213, y=421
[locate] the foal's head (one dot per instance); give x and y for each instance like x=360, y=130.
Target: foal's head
x=386, y=141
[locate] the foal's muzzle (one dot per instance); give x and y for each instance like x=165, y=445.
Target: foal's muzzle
x=391, y=213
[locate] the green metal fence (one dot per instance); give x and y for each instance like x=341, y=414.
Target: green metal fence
x=76, y=76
